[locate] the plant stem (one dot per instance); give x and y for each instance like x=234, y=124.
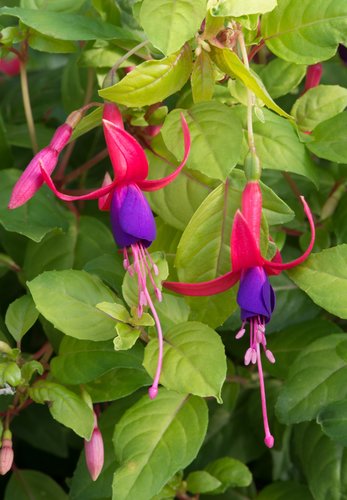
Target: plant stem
x=110, y=75
x=250, y=97
x=27, y=105
x=86, y=166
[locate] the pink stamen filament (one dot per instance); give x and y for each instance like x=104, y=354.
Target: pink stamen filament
x=269, y=439
x=253, y=355
x=143, y=269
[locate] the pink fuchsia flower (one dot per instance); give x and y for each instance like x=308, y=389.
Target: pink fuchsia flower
x=313, y=76
x=10, y=67
x=132, y=221
x=94, y=452
x=255, y=297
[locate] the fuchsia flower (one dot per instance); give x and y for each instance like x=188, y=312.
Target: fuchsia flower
x=132, y=221
x=255, y=296
x=6, y=453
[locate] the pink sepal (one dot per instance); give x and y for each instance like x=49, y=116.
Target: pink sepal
x=313, y=76
x=153, y=185
x=245, y=252
x=61, y=137
x=31, y=179
x=251, y=208
x=212, y=287
x=127, y=156
x=112, y=114
x=272, y=267
x=93, y=195
x=104, y=202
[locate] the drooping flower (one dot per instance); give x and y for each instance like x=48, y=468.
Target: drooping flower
x=132, y=221
x=31, y=179
x=255, y=297
x=94, y=452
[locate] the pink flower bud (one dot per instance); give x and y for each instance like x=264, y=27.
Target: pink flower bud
x=313, y=76
x=94, y=452
x=31, y=179
x=6, y=456
x=11, y=67
x=61, y=137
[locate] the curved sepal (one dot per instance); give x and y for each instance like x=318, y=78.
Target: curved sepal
x=93, y=195
x=276, y=267
x=104, y=202
x=153, y=185
x=128, y=159
x=204, y=288
x=245, y=252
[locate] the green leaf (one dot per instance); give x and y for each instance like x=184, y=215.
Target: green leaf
x=20, y=316
x=168, y=24
x=230, y=472
x=65, y=26
x=316, y=378
x=29, y=484
x=333, y=421
x=5, y=150
x=152, y=81
x=202, y=78
x=193, y=361
x=285, y=490
x=54, y=252
x=88, y=122
x=53, y=5
x=37, y=217
x=329, y=139
x=44, y=43
x=173, y=210
x=209, y=123
x=236, y=9
x=272, y=75
x=319, y=104
x=68, y=300
x=109, y=268
x=172, y=310
x=94, y=239
x=322, y=462
x=10, y=373
x=29, y=368
x=81, y=361
x=49, y=436
x=323, y=277
x=201, y=481
x=310, y=35
x=126, y=336
x=65, y=406
x=288, y=343
x=155, y=439
x=230, y=64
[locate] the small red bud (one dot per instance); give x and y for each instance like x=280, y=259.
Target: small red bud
x=313, y=76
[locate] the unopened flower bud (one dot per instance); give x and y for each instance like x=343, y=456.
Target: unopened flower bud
x=94, y=452
x=6, y=453
x=31, y=179
x=10, y=67
x=313, y=76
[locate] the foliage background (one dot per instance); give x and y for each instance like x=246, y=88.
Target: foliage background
x=58, y=262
